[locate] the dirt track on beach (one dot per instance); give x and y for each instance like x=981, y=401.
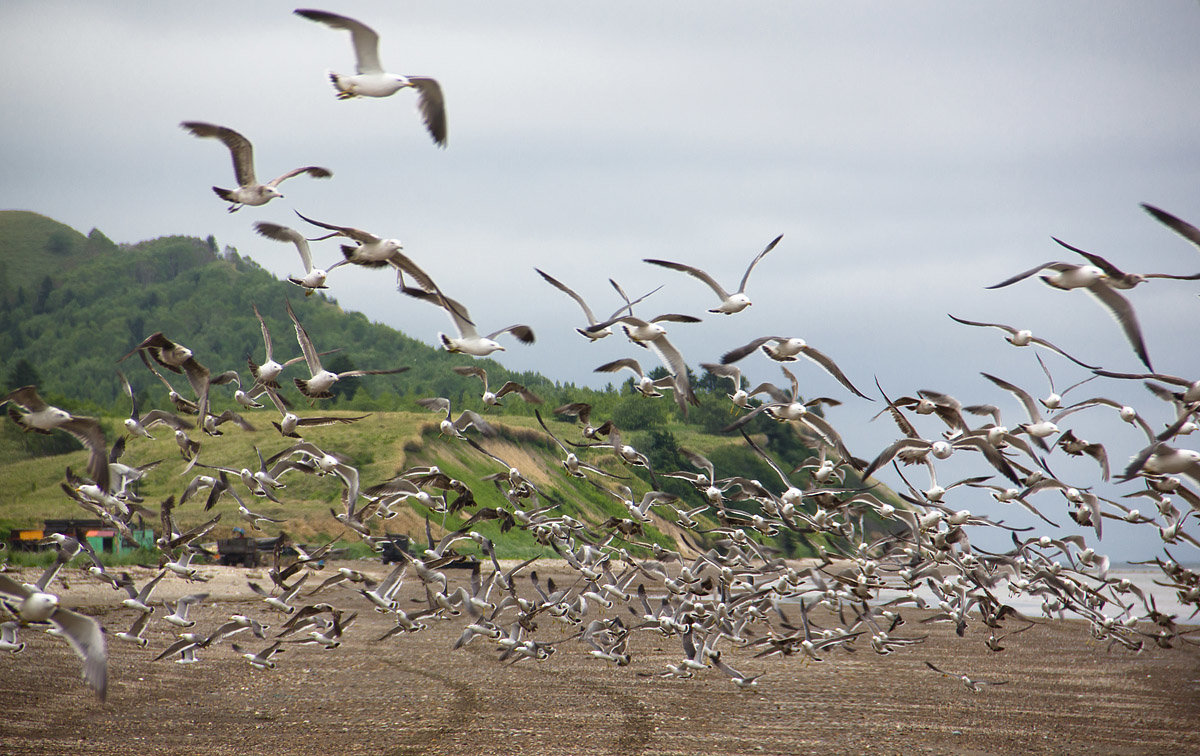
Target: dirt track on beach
x=411, y=694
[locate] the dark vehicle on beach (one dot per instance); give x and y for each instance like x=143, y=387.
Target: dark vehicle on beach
x=391, y=547
x=248, y=552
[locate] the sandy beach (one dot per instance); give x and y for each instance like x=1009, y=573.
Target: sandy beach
x=1066, y=693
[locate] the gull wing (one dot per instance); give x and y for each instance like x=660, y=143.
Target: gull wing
x=693, y=272
x=523, y=333
x=736, y=354
x=28, y=397
x=616, y=365
x=239, y=148
x=86, y=639
x=761, y=255
x=357, y=234
x=363, y=37
x=1030, y=406
x=673, y=360
x=265, y=333
x=432, y=105
x=315, y=171
x=512, y=387
x=1122, y=311
x=91, y=435
x=310, y=354
x=129, y=392
x=458, y=314
x=1178, y=225
x=1109, y=269
x=587, y=311
x=1027, y=273
x=832, y=369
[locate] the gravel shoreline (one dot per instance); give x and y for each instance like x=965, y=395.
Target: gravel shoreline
x=411, y=694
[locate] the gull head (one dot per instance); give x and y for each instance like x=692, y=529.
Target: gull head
x=38, y=606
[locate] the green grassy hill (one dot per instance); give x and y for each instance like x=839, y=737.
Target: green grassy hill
x=72, y=305
x=380, y=446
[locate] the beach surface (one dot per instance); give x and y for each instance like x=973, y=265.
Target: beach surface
x=1063, y=693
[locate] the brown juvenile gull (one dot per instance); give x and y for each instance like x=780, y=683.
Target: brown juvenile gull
x=179, y=359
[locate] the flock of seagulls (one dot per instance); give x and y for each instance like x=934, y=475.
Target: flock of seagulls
x=888, y=561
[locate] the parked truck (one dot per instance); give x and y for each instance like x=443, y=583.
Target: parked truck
x=249, y=552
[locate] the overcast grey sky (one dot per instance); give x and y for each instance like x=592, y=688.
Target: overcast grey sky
x=911, y=154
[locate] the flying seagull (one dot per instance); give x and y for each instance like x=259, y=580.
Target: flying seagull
x=313, y=278
x=468, y=340
x=650, y=334
x=645, y=385
x=730, y=303
x=1119, y=279
x=455, y=427
x=785, y=350
x=290, y=423
x=372, y=81
x=137, y=423
x=1101, y=279
x=1022, y=337
x=179, y=359
x=319, y=384
x=972, y=684
x=592, y=335
x=40, y=417
x=249, y=191
x=492, y=398
x=266, y=373
x=82, y=633
x=375, y=252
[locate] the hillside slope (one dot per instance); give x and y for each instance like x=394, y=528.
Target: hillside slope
x=71, y=306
